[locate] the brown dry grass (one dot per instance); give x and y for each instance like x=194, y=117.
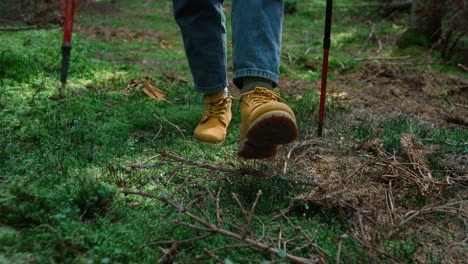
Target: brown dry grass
x=384, y=197
x=386, y=90
x=383, y=90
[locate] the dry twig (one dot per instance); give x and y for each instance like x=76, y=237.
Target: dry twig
x=235, y=171
x=238, y=232
x=17, y=28
x=382, y=58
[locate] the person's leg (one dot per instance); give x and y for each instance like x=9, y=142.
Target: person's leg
x=202, y=23
x=256, y=32
x=265, y=122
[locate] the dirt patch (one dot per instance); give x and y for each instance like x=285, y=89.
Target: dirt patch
x=38, y=14
x=295, y=86
x=382, y=91
x=124, y=34
x=102, y=8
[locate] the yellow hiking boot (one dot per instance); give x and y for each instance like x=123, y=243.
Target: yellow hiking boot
x=265, y=123
x=216, y=117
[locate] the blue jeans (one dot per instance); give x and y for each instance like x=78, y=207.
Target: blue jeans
x=256, y=37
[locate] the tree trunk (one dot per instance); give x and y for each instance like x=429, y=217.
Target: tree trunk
x=427, y=17
x=443, y=23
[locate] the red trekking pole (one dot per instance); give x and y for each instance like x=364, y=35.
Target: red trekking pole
x=67, y=34
x=326, y=50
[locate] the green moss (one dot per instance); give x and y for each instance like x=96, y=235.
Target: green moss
x=61, y=160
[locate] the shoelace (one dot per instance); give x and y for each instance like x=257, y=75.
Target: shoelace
x=261, y=95
x=218, y=107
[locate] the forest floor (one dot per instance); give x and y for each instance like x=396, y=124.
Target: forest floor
x=103, y=173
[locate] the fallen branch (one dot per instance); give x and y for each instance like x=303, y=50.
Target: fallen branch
x=173, y=76
x=181, y=131
x=235, y=171
x=382, y=58
x=395, y=5
x=147, y=166
x=201, y=165
x=172, y=241
x=448, y=208
x=371, y=34
x=237, y=232
x=17, y=28
x=461, y=105
x=463, y=67
x=340, y=243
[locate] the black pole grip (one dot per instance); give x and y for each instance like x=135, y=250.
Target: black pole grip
x=320, y=129
x=328, y=21
x=66, y=50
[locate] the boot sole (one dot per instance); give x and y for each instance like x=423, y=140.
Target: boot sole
x=250, y=151
x=265, y=133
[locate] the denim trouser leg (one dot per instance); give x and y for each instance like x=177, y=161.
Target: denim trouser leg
x=256, y=34
x=256, y=30
x=202, y=23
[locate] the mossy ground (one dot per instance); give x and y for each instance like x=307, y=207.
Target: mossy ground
x=60, y=173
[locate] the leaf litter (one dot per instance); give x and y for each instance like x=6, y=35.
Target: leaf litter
x=385, y=90
x=381, y=196
x=147, y=85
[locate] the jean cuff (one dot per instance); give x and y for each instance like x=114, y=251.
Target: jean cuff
x=212, y=89
x=252, y=72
